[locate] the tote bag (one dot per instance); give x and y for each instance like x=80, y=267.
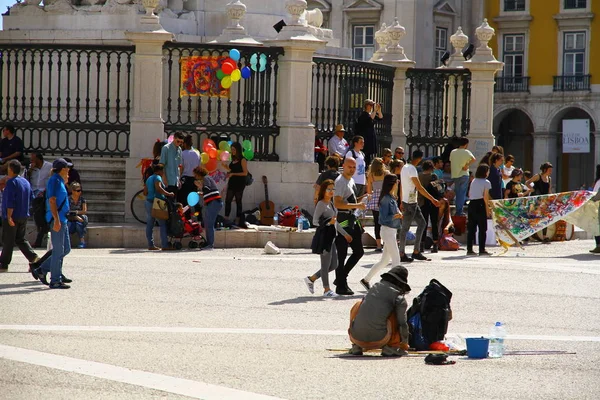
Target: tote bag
x=160, y=209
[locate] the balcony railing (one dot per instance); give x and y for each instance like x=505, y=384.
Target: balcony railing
x=512, y=84
x=572, y=83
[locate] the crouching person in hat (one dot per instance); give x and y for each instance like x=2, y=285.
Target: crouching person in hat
x=379, y=320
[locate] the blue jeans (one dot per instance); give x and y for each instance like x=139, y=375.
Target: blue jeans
x=61, y=246
x=210, y=213
x=162, y=224
x=461, y=185
x=79, y=227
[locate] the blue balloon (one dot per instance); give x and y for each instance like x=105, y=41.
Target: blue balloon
x=193, y=199
x=246, y=72
x=234, y=54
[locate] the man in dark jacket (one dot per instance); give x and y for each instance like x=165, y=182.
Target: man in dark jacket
x=379, y=321
x=365, y=127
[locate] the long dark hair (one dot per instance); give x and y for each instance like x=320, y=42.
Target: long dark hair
x=323, y=188
x=238, y=151
x=388, y=183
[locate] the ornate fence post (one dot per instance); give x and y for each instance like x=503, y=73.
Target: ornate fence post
x=395, y=57
x=483, y=67
x=146, y=123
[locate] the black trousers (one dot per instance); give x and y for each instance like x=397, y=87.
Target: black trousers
x=477, y=220
x=15, y=235
x=341, y=244
x=430, y=212
x=39, y=217
x=238, y=195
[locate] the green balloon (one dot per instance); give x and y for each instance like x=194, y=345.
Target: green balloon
x=248, y=155
x=247, y=145
x=220, y=74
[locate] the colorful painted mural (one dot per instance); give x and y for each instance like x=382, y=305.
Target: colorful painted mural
x=199, y=76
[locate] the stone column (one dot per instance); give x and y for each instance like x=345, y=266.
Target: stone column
x=395, y=57
x=545, y=148
x=483, y=67
x=146, y=122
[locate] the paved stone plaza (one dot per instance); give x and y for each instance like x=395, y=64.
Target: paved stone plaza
x=237, y=324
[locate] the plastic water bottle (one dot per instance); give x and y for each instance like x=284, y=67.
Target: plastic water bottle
x=497, y=336
x=300, y=224
x=276, y=220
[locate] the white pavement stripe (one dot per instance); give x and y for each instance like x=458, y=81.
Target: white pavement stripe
x=184, y=387
x=250, y=331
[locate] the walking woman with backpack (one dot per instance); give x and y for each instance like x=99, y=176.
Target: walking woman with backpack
x=325, y=218
x=390, y=219
x=374, y=184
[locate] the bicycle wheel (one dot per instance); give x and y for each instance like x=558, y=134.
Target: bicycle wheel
x=138, y=207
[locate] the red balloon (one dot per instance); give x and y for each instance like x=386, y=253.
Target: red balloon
x=228, y=67
x=211, y=165
x=207, y=145
x=212, y=153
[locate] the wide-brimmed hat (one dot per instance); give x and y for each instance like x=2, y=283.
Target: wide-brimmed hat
x=399, y=274
x=516, y=172
x=340, y=128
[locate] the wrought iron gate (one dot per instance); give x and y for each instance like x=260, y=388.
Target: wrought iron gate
x=438, y=108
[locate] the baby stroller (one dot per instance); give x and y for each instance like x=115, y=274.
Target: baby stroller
x=179, y=227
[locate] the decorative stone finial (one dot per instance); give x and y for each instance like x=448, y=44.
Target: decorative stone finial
x=296, y=9
x=236, y=11
x=150, y=5
x=459, y=40
x=394, y=52
x=485, y=33
x=382, y=38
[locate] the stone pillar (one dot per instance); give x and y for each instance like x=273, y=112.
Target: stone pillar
x=545, y=148
x=483, y=67
x=146, y=122
x=395, y=57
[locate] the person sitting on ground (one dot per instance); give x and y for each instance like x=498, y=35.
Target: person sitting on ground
x=337, y=145
x=438, y=167
x=77, y=217
x=320, y=151
x=379, y=321
x=332, y=163
x=508, y=168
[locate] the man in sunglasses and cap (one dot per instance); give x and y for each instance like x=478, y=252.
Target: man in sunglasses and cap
x=379, y=321
x=337, y=145
x=57, y=206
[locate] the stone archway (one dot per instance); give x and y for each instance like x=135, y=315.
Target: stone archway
x=513, y=130
x=575, y=170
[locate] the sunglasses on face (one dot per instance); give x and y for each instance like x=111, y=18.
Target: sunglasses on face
x=330, y=190
x=399, y=152
x=77, y=190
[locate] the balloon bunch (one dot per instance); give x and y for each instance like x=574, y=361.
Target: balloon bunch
x=230, y=72
x=248, y=152
x=210, y=154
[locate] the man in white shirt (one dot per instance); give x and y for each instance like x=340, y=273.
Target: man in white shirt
x=39, y=173
x=337, y=145
x=190, y=159
x=410, y=208
x=360, y=177
x=460, y=160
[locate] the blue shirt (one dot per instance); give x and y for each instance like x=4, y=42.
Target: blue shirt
x=170, y=156
x=56, y=188
x=17, y=195
x=150, y=184
x=387, y=209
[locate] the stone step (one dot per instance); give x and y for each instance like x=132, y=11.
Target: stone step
x=104, y=194
x=95, y=174
x=105, y=217
x=98, y=162
x=117, y=184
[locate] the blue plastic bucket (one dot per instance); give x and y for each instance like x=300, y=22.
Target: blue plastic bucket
x=477, y=347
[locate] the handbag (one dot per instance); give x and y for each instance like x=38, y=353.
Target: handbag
x=160, y=209
x=249, y=179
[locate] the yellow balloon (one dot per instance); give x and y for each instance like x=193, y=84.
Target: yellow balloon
x=204, y=158
x=226, y=82
x=236, y=75
x=219, y=153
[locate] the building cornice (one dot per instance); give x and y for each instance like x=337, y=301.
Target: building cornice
x=574, y=20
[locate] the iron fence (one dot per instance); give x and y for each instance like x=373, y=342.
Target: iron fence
x=438, y=108
x=247, y=112
x=68, y=99
x=339, y=89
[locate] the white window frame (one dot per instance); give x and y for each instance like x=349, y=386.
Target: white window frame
x=561, y=48
x=439, y=51
x=524, y=12
x=506, y=53
x=588, y=7
x=363, y=46
x=575, y=51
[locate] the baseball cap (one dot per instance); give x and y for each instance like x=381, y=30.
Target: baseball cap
x=60, y=163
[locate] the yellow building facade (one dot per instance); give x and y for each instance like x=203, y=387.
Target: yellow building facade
x=547, y=98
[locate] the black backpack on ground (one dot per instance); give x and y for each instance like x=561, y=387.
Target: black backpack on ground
x=429, y=315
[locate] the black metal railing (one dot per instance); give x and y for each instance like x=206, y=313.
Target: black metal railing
x=438, y=108
x=572, y=83
x=247, y=112
x=512, y=84
x=68, y=99
x=339, y=89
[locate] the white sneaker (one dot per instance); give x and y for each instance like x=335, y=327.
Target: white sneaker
x=310, y=285
x=330, y=293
